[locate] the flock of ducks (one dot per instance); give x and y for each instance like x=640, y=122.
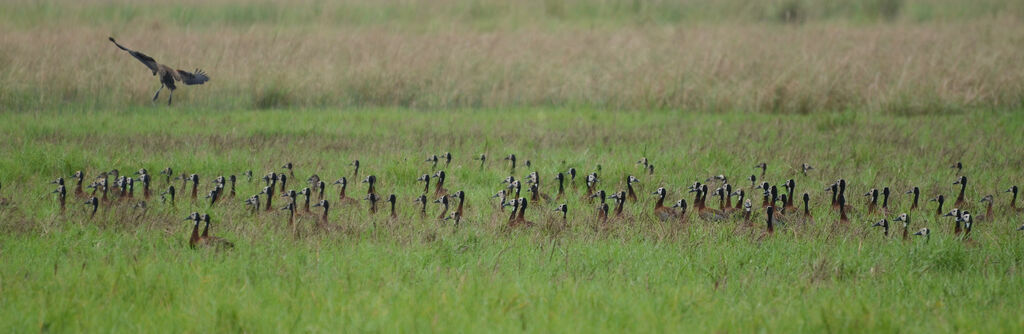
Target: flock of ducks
x=111, y=187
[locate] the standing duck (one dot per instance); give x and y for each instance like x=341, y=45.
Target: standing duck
x=960, y=201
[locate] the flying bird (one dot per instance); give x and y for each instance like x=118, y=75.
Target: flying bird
x=166, y=74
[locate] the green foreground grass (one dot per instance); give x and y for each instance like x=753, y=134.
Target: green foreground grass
x=132, y=271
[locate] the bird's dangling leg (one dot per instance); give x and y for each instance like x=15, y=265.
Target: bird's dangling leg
x=157, y=93
x=170, y=95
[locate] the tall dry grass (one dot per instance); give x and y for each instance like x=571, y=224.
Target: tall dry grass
x=901, y=66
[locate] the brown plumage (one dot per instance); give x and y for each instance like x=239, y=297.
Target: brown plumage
x=167, y=75
x=660, y=210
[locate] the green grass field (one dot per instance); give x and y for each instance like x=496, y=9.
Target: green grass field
x=129, y=270
x=883, y=93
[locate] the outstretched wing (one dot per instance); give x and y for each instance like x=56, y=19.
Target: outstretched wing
x=146, y=60
x=195, y=78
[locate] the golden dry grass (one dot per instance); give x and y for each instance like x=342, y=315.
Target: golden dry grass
x=901, y=66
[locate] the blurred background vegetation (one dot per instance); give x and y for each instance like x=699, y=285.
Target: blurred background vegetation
x=787, y=56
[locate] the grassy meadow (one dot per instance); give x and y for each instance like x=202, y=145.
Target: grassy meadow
x=131, y=270
x=883, y=93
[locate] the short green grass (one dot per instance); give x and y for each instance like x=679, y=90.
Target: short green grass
x=132, y=271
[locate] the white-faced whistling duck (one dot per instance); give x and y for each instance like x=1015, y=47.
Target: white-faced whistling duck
x=232, y=179
x=753, y=180
x=720, y=192
x=95, y=204
x=355, y=171
x=988, y=208
x=885, y=200
x=873, y=204
x=343, y=199
x=312, y=180
x=739, y=200
x=561, y=186
x=842, y=209
x=324, y=220
x=213, y=195
x=572, y=176
x=184, y=181
x=955, y=213
x=807, y=206
x=194, y=238
x=791, y=190
x=681, y=204
x=516, y=188
x=884, y=223
x=169, y=192
x=968, y=224
x=290, y=169
x=269, y=190
x=168, y=173
x=602, y=213
x=512, y=159
x=620, y=202
x=663, y=213
x=905, y=218
x=61, y=197
x=113, y=173
x=444, y=207
x=254, y=202
x=650, y=169
x=291, y=212
x=727, y=193
x=960, y=202
x=630, y=180
x=747, y=211
x=643, y=161
x=248, y=175
x=393, y=199
x=284, y=181
x=447, y=158
x=371, y=181
x=439, y=189
x=521, y=215
x=959, y=167
x=143, y=175
x=501, y=200
x=764, y=168
x=422, y=200
x=461, y=195
x=564, y=209
x=514, y=203
x=766, y=195
x=79, y=176
x=938, y=199
x=425, y=178
x=924, y=232
x=195, y=185
x=591, y=184
x=320, y=186
x=538, y=196
x=917, y=194
x=433, y=160
x=601, y=196
x=483, y=159
x=1013, y=200
x=307, y=194
x=804, y=168
x=771, y=220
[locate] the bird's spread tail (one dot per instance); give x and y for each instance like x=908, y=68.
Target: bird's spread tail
x=118, y=44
